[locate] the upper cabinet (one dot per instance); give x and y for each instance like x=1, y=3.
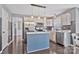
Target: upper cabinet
x=77, y=15
x=44, y=20
x=49, y=22
x=66, y=19
x=39, y=20
x=57, y=23
x=29, y=19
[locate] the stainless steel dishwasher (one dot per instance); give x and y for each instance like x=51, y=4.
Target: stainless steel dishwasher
x=60, y=38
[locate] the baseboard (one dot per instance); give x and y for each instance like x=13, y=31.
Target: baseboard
x=37, y=50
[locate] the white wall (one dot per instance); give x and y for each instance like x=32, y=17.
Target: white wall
x=17, y=26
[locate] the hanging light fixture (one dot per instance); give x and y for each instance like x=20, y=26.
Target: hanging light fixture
x=38, y=5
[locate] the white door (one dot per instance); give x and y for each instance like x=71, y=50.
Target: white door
x=5, y=18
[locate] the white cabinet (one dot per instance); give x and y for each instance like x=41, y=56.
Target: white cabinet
x=57, y=23
x=53, y=36
x=77, y=27
x=63, y=38
x=77, y=21
x=63, y=19
x=39, y=20
x=49, y=22
x=66, y=19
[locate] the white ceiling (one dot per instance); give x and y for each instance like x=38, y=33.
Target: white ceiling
x=50, y=10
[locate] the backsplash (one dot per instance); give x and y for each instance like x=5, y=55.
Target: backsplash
x=66, y=27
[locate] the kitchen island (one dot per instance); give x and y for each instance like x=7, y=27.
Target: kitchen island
x=37, y=41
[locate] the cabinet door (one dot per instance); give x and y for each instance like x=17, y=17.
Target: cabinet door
x=73, y=28
x=62, y=38
x=66, y=19
x=58, y=37
x=57, y=23
x=77, y=27
x=49, y=22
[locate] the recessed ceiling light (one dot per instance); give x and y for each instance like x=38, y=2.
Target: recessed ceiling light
x=38, y=17
x=32, y=16
x=44, y=17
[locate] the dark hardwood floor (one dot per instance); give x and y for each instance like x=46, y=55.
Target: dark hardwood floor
x=54, y=49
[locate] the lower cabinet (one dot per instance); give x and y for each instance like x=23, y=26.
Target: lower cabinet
x=53, y=36
x=63, y=38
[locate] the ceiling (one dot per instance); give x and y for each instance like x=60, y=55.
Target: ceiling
x=50, y=10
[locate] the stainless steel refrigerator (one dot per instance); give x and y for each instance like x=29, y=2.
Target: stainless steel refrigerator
x=0, y=34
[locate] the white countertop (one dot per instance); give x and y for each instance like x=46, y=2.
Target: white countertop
x=63, y=31
x=37, y=32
